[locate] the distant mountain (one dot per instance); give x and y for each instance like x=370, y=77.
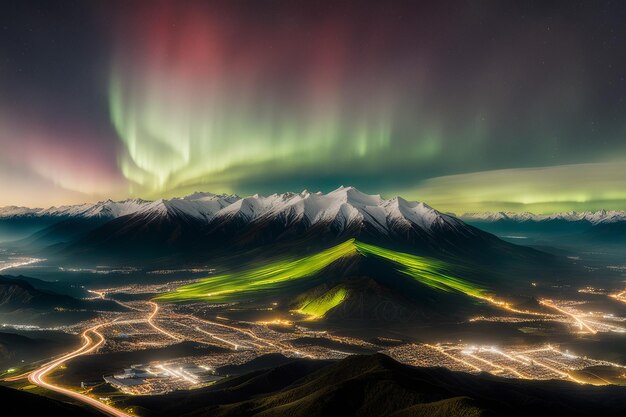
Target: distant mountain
x=107, y=209
x=22, y=303
x=343, y=211
x=591, y=217
x=603, y=226
x=18, y=294
x=205, y=226
x=376, y=385
x=21, y=222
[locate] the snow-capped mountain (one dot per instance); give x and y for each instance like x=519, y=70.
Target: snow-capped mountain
x=343, y=207
x=593, y=217
x=203, y=223
x=104, y=209
x=16, y=211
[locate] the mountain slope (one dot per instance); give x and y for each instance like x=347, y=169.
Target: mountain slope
x=22, y=303
x=199, y=225
x=351, y=280
x=271, y=279
x=16, y=402
x=376, y=385
x=17, y=349
x=18, y=294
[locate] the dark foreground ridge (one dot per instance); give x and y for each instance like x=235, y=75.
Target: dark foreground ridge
x=376, y=385
x=20, y=403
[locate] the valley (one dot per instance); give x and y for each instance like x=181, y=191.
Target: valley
x=149, y=327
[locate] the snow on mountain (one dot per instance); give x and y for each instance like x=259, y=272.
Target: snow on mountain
x=487, y=216
x=597, y=217
x=104, y=209
x=342, y=208
x=198, y=206
x=420, y=214
x=15, y=211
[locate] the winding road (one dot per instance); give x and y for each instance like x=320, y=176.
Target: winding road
x=92, y=340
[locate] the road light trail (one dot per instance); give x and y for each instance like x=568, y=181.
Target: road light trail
x=234, y=345
x=454, y=358
x=550, y=368
x=276, y=345
x=37, y=377
x=17, y=377
x=620, y=296
x=101, y=294
x=581, y=322
x=30, y=261
x=495, y=365
x=154, y=326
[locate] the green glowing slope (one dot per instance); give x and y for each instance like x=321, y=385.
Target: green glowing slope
x=278, y=276
x=433, y=273
x=240, y=285
x=318, y=307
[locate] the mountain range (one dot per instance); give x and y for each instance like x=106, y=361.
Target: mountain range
x=321, y=255
x=203, y=223
x=567, y=228
x=592, y=217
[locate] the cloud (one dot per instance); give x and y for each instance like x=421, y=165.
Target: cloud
x=590, y=186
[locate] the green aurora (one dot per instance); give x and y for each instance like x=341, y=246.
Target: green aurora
x=479, y=106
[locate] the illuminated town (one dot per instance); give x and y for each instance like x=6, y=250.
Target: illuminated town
x=148, y=325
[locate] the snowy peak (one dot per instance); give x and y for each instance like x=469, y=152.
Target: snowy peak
x=597, y=217
x=354, y=197
x=417, y=213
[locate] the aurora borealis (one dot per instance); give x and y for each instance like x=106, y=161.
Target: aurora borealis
x=469, y=106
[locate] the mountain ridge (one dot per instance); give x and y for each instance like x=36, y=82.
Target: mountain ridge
x=207, y=206
x=208, y=223
x=593, y=217
x=203, y=225
x=376, y=385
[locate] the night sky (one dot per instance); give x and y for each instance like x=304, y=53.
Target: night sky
x=466, y=105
